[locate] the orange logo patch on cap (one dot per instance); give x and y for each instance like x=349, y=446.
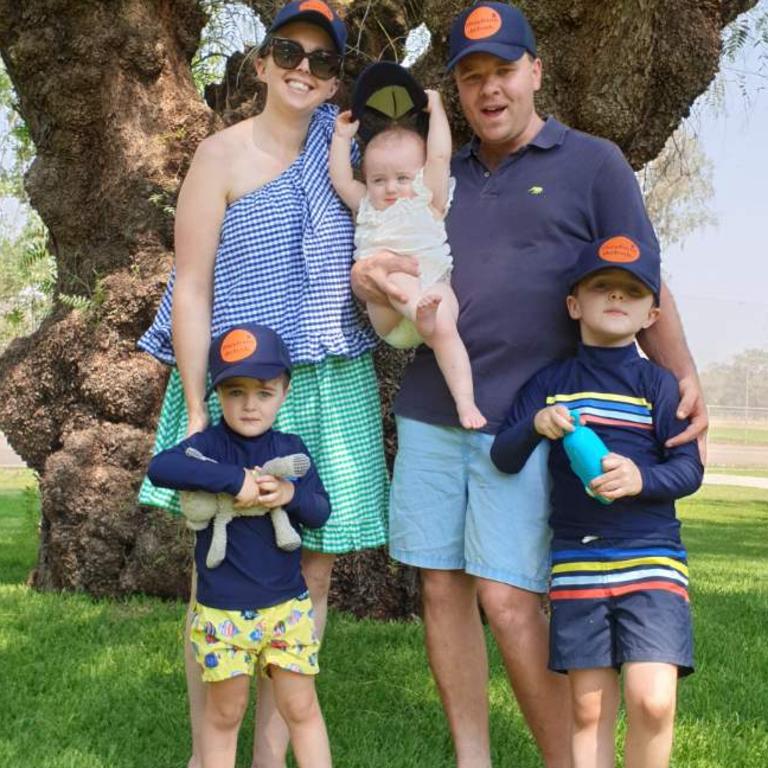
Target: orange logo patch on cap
x=619, y=250
x=237, y=345
x=482, y=22
x=319, y=6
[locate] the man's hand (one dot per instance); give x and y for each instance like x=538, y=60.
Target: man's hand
x=370, y=277
x=275, y=492
x=345, y=126
x=693, y=407
x=553, y=422
x=621, y=477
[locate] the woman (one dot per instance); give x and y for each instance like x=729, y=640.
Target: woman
x=262, y=237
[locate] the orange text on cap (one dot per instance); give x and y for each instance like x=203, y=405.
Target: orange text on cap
x=237, y=345
x=482, y=22
x=619, y=250
x=319, y=6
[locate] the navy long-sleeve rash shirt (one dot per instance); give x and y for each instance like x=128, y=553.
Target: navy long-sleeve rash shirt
x=255, y=572
x=631, y=403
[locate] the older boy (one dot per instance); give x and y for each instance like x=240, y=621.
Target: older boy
x=253, y=610
x=619, y=577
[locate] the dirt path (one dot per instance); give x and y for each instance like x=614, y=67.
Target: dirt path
x=745, y=456
x=742, y=480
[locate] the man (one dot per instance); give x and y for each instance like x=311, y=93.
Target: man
x=530, y=192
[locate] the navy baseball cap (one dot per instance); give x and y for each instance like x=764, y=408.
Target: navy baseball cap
x=249, y=350
x=496, y=28
x=620, y=252
x=384, y=94
x=313, y=12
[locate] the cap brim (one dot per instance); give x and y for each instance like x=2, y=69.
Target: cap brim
x=250, y=371
x=319, y=20
x=578, y=277
x=502, y=50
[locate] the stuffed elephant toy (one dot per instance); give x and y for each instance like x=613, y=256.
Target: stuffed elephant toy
x=200, y=507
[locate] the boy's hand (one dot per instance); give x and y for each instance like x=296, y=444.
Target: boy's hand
x=433, y=100
x=346, y=127
x=621, y=477
x=248, y=496
x=275, y=492
x=553, y=422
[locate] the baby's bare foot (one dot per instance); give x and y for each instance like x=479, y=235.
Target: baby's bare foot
x=470, y=416
x=426, y=313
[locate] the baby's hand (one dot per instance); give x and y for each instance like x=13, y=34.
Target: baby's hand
x=346, y=127
x=621, y=477
x=553, y=422
x=433, y=100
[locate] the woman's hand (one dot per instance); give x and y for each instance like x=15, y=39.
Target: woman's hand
x=197, y=421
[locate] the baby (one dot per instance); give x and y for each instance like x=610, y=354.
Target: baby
x=401, y=208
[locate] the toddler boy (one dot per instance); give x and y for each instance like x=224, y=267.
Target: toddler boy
x=253, y=610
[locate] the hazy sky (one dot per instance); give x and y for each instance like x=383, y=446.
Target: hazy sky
x=719, y=275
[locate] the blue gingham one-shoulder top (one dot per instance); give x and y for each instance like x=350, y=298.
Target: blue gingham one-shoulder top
x=283, y=260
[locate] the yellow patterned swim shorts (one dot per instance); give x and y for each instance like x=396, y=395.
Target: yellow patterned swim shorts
x=231, y=643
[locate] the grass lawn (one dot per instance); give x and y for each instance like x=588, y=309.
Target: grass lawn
x=99, y=684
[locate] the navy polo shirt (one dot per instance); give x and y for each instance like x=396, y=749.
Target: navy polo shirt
x=514, y=234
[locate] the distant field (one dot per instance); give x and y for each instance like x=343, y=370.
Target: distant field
x=739, y=471
x=751, y=433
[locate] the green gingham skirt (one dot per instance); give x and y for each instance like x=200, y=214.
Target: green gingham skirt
x=334, y=408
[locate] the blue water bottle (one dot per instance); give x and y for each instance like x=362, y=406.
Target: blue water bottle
x=585, y=451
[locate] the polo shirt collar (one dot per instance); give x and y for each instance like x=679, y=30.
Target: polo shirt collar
x=552, y=134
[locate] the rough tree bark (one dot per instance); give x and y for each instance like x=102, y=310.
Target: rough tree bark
x=106, y=90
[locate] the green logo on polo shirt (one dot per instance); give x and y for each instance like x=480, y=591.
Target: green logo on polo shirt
x=536, y=191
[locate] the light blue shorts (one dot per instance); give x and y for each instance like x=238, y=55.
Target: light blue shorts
x=451, y=509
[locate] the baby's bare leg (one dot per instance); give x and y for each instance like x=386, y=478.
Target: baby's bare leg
x=385, y=317
x=435, y=317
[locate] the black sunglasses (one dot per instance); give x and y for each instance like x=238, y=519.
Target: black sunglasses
x=288, y=54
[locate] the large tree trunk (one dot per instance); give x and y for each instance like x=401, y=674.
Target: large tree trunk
x=106, y=90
